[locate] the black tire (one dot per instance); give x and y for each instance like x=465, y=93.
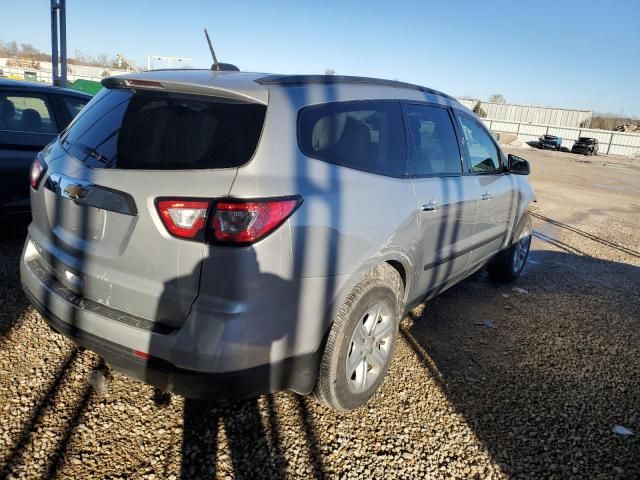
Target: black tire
x=383, y=286
x=503, y=268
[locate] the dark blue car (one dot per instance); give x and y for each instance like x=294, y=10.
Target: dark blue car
x=31, y=115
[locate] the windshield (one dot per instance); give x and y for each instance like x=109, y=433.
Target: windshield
x=162, y=131
x=586, y=140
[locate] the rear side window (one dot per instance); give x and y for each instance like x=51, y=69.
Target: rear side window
x=26, y=113
x=163, y=131
x=364, y=135
x=434, y=140
x=74, y=105
x=483, y=153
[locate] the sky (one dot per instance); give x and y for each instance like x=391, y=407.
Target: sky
x=564, y=53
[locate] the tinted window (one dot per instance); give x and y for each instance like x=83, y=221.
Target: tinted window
x=366, y=136
x=434, y=140
x=26, y=113
x=160, y=131
x=74, y=104
x=483, y=152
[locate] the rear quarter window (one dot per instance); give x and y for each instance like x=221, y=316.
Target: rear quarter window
x=163, y=131
x=364, y=135
x=74, y=105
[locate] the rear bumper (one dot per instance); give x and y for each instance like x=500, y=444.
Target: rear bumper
x=297, y=373
x=210, y=356
x=580, y=149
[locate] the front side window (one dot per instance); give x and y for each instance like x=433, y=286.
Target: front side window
x=483, y=152
x=164, y=131
x=364, y=135
x=26, y=113
x=434, y=141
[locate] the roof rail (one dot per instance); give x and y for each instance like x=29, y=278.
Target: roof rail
x=293, y=80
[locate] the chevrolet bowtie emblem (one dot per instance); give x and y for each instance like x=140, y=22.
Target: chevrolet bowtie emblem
x=76, y=191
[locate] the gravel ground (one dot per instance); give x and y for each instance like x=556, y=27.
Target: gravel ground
x=535, y=397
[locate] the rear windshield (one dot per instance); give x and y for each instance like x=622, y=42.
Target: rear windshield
x=550, y=137
x=164, y=131
x=586, y=140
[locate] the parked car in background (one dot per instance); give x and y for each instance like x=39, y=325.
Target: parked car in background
x=550, y=141
x=224, y=235
x=586, y=146
x=31, y=115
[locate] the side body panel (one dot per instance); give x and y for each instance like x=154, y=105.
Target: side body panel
x=349, y=221
x=447, y=233
x=496, y=213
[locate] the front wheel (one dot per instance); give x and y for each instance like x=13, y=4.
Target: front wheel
x=361, y=341
x=507, y=265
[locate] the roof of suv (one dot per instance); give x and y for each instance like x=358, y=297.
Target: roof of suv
x=251, y=85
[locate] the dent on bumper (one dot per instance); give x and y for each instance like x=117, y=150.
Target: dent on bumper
x=247, y=369
x=298, y=374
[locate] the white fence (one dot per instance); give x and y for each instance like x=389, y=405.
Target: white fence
x=531, y=114
x=44, y=71
x=611, y=143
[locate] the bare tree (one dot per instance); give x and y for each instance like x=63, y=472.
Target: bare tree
x=102, y=59
x=12, y=48
x=28, y=50
x=329, y=71
x=79, y=57
x=497, y=98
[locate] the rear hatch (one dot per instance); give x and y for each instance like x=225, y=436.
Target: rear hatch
x=96, y=217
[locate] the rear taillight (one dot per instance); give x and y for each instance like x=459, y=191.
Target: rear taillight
x=245, y=222
x=183, y=218
x=231, y=222
x=38, y=168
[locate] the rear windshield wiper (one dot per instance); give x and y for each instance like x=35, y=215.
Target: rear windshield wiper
x=90, y=152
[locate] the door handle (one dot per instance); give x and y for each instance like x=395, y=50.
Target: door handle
x=432, y=206
x=486, y=196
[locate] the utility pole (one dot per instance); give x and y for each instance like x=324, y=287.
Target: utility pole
x=59, y=39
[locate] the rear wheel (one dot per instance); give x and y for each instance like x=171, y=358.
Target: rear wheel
x=361, y=341
x=507, y=265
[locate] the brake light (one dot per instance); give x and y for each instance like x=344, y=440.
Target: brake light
x=38, y=168
x=245, y=222
x=143, y=84
x=183, y=218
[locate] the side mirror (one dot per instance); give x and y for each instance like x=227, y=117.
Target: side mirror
x=518, y=166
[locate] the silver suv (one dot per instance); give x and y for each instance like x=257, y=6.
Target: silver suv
x=224, y=234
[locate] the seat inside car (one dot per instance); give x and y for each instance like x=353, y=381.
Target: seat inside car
x=7, y=112
x=31, y=121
